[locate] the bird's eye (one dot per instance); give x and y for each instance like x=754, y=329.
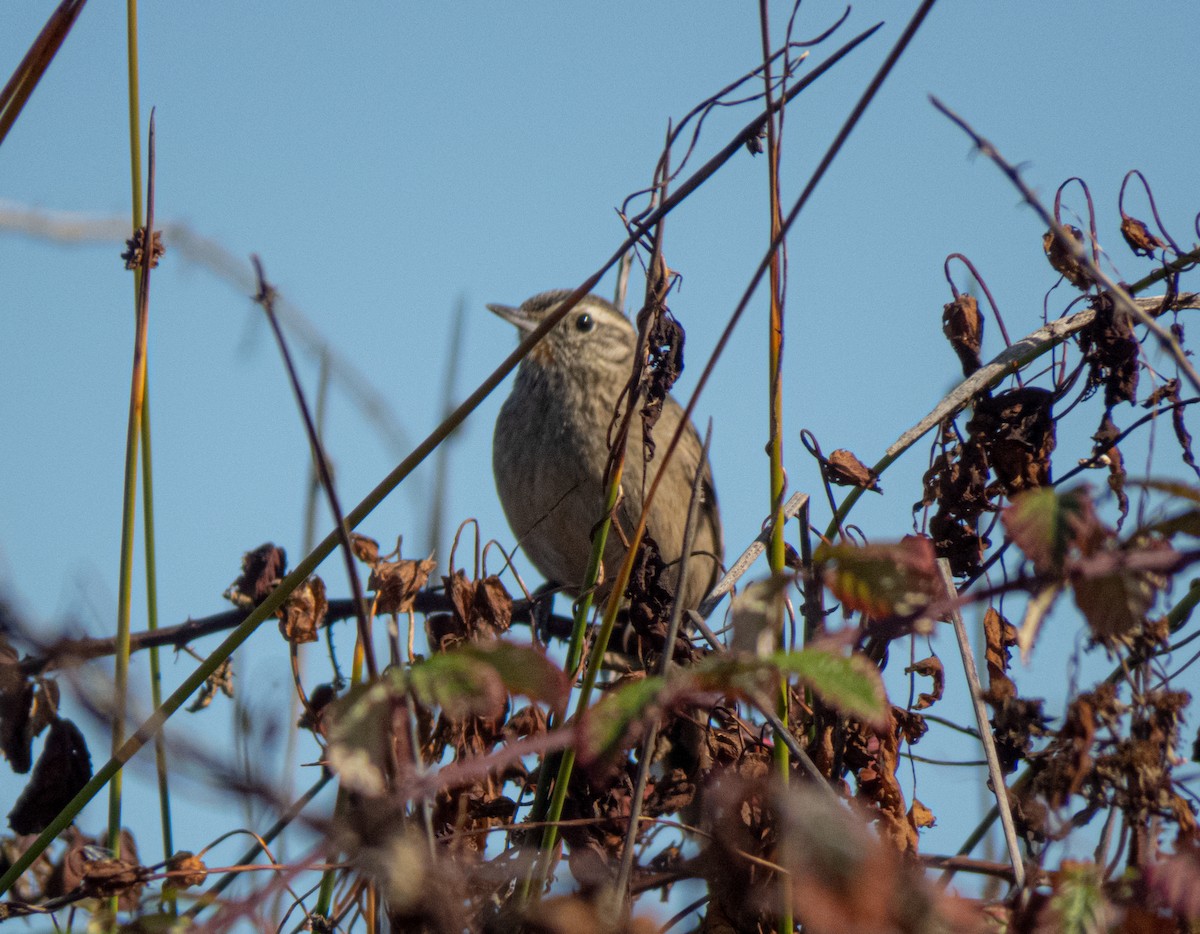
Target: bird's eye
x=585, y=323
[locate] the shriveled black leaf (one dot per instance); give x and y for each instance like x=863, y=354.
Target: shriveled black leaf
x=62, y=769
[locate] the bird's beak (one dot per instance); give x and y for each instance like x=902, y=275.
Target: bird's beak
x=514, y=316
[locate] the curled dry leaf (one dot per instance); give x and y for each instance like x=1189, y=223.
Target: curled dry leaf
x=663, y=366
x=929, y=668
x=365, y=549
x=1138, y=237
x=397, y=583
x=1112, y=351
x=482, y=609
x=844, y=469
x=1063, y=260
x=649, y=598
x=313, y=717
x=920, y=816
x=262, y=569
x=999, y=637
x=189, y=870
x=303, y=612
x=103, y=878
x=1015, y=432
x=963, y=326
x=27, y=706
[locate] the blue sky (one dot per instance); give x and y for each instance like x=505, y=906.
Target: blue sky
x=389, y=161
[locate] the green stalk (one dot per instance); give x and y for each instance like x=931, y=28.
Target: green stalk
x=135, y=171
x=775, y=548
x=550, y=808
x=128, y=516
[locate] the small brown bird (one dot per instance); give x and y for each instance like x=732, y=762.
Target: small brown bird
x=550, y=448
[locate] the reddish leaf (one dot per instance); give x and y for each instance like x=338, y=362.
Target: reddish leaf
x=1046, y=525
x=882, y=580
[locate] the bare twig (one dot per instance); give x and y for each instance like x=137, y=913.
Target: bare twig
x=266, y=298
x=65, y=227
x=29, y=72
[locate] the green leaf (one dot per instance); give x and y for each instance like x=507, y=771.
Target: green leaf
x=607, y=723
x=850, y=684
x=360, y=736
x=899, y=578
x=1078, y=904
x=477, y=678
x=524, y=670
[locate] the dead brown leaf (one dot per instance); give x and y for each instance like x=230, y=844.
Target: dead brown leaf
x=303, y=612
x=397, y=583
x=844, y=469
x=963, y=326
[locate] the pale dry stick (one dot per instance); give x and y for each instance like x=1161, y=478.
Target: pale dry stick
x=793, y=506
x=1076, y=249
x=985, y=732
